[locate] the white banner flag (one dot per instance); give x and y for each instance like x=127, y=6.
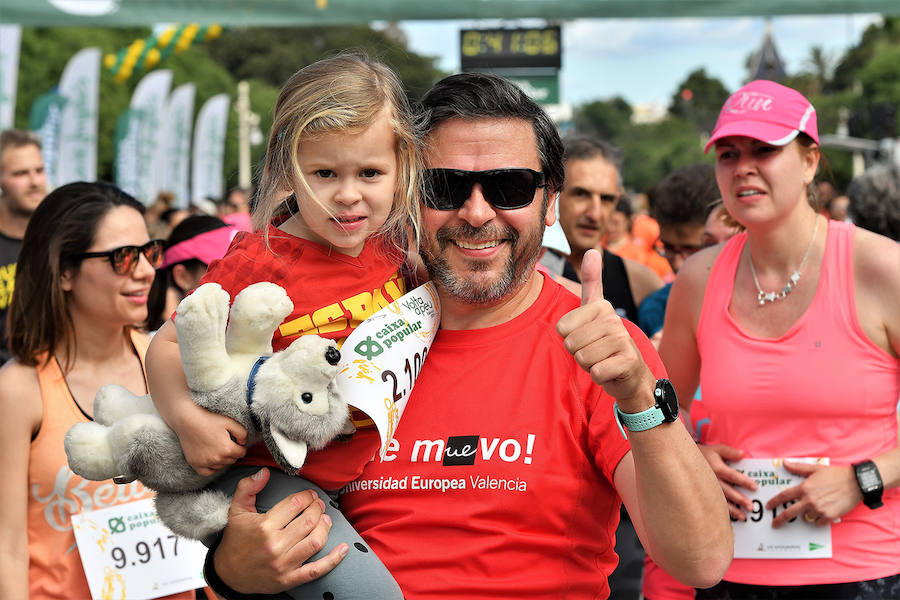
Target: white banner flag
x=10, y=40
x=80, y=85
x=128, y=150
x=150, y=98
x=209, y=149
x=179, y=120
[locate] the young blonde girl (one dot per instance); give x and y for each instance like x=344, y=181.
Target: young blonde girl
x=337, y=208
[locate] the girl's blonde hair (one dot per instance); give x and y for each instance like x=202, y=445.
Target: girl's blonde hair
x=346, y=92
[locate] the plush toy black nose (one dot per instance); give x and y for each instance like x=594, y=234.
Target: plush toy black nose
x=306, y=397
x=332, y=355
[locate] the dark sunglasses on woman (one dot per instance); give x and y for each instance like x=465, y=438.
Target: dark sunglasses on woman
x=505, y=189
x=124, y=259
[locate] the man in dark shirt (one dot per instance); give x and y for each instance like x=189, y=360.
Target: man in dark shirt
x=592, y=187
x=23, y=185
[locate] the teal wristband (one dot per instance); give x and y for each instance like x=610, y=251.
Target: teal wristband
x=664, y=411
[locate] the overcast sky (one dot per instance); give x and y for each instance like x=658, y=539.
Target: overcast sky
x=644, y=60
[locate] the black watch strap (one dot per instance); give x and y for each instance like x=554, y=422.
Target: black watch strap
x=870, y=484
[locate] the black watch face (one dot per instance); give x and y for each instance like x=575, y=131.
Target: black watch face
x=868, y=479
x=666, y=399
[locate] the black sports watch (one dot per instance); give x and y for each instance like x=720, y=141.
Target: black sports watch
x=664, y=411
x=870, y=484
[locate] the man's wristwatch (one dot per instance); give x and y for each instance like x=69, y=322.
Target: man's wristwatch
x=664, y=411
x=870, y=484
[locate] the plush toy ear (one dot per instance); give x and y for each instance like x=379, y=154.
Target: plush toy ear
x=294, y=451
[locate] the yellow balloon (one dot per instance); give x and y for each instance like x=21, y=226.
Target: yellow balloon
x=109, y=61
x=152, y=57
x=165, y=37
x=213, y=32
x=190, y=32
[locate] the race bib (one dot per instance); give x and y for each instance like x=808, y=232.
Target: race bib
x=381, y=359
x=127, y=553
x=755, y=537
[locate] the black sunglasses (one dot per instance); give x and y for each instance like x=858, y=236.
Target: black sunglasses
x=506, y=189
x=684, y=250
x=125, y=259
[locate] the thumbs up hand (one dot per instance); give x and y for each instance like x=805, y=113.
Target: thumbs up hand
x=592, y=277
x=598, y=340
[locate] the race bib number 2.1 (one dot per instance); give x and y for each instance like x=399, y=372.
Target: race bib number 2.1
x=755, y=537
x=127, y=553
x=381, y=359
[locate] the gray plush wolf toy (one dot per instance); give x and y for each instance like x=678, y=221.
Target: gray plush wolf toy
x=288, y=399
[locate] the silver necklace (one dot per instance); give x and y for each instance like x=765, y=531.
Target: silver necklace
x=763, y=296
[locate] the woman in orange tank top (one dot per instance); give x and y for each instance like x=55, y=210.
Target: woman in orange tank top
x=793, y=330
x=82, y=280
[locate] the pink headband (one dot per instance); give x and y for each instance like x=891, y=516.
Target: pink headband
x=766, y=111
x=205, y=247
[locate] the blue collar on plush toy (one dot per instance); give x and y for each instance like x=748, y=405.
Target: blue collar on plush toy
x=251, y=385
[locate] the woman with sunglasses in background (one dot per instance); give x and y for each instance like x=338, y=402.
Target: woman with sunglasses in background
x=792, y=329
x=192, y=245
x=82, y=281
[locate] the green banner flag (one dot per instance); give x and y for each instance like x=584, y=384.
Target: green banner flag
x=45, y=119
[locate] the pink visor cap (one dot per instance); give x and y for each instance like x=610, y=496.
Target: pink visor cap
x=205, y=247
x=768, y=112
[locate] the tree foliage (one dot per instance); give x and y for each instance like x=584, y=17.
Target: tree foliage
x=861, y=89
x=654, y=149
x=874, y=38
x=698, y=100
x=603, y=118
x=264, y=57
x=273, y=54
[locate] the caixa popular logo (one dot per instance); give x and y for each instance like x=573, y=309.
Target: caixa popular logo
x=116, y=525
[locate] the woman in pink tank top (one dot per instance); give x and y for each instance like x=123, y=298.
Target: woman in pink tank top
x=82, y=280
x=793, y=333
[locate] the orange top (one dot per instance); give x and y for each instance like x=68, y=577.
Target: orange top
x=644, y=231
x=636, y=252
x=55, y=493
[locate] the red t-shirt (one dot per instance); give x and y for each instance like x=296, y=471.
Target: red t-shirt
x=332, y=294
x=498, y=481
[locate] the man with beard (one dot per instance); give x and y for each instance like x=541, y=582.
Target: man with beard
x=587, y=200
x=23, y=185
x=507, y=470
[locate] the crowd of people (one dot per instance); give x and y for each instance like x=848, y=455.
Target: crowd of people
x=552, y=445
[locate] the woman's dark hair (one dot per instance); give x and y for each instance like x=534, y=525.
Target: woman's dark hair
x=812, y=194
x=63, y=225
x=188, y=228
